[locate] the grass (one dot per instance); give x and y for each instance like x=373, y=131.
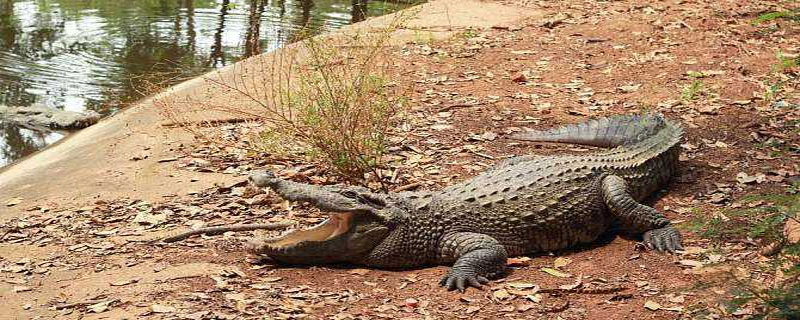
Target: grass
x=692, y=91
x=793, y=15
x=780, y=74
x=764, y=223
x=328, y=100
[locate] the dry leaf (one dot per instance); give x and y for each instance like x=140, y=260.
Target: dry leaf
x=13, y=201
x=518, y=262
x=272, y=279
x=691, y=263
x=744, y=178
x=572, y=286
x=125, y=282
x=157, y=308
x=561, y=262
x=675, y=299
x=554, y=272
x=675, y=308
x=360, y=272
x=21, y=289
x=100, y=306
x=521, y=285
x=472, y=309
x=525, y=307
x=261, y=286
x=630, y=88
x=534, y=297
x=501, y=294
x=652, y=305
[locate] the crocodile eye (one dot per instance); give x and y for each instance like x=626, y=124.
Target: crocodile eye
x=350, y=194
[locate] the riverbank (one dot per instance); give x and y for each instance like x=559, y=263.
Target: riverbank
x=480, y=70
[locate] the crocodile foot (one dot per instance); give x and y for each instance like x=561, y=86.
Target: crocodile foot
x=462, y=279
x=663, y=239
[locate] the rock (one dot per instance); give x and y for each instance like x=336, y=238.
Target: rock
x=40, y=117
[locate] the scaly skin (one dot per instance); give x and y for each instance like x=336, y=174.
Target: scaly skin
x=526, y=204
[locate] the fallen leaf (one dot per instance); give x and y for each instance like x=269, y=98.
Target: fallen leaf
x=676, y=298
x=525, y=307
x=518, y=262
x=157, y=308
x=572, y=286
x=690, y=263
x=501, y=294
x=554, y=272
x=523, y=52
x=534, y=297
x=630, y=88
x=13, y=201
x=360, y=272
x=125, y=282
x=675, y=309
x=652, y=305
x=521, y=285
x=411, y=302
x=147, y=218
x=561, y=262
x=709, y=109
x=17, y=289
x=472, y=309
x=744, y=178
x=100, y=306
x=261, y=286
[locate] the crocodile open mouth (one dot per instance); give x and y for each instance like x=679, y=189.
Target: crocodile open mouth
x=336, y=225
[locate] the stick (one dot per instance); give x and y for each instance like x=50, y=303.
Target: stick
x=82, y=303
x=582, y=290
x=223, y=229
x=458, y=105
x=208, y=122
x=408, y=187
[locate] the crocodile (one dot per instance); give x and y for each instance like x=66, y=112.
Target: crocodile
x=525, y=204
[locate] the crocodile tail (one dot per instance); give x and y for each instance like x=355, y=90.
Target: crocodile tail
x=606, y=132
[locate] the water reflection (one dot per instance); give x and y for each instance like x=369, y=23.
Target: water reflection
x=77, y=54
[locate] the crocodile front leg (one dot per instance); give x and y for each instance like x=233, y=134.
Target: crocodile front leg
x=477, y=257
x=638, y=218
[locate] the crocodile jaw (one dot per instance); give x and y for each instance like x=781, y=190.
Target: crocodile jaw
x=343, y=237
x=336, y=225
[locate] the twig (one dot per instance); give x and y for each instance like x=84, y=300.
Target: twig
x=208, y=122
x=223, y=229
x=82, y=303
x=582, y=290
x=408, y=187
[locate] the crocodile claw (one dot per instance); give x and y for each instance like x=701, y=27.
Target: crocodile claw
x=461, y=281
x=666, y=239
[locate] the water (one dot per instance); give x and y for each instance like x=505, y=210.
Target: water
x=81, y=54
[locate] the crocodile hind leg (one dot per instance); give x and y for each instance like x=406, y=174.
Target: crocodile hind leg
x=477, y=258
x=638, y=218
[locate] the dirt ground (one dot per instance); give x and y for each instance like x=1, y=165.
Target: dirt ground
x=702, y=63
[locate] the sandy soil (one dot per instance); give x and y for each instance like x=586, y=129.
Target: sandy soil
x=86, y=207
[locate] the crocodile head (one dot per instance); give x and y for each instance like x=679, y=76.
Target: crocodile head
x=357, y=223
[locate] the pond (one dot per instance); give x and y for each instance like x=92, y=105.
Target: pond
x=96, y=54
